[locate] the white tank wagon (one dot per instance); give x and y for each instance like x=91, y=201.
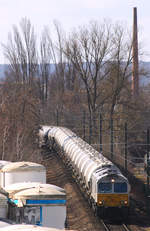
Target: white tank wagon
x=15, y=172
x=101, y=180
x=38, y=204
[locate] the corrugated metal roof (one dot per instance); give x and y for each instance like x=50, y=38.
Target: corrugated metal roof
x=3, y=163
x=22, y=166
x=47, y=188
x=39, y=193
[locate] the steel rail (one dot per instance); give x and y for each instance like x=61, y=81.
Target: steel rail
x=105, y=225
x=125, y=227
x=108, y=227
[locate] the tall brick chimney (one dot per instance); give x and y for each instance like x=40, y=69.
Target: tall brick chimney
x=135, y=65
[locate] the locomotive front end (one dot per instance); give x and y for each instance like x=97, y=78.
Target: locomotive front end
x=113, y=192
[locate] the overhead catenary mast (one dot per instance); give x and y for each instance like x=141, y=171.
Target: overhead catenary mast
x=135, y=65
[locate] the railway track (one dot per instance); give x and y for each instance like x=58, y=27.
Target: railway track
x=110, y=227
x=80, y=216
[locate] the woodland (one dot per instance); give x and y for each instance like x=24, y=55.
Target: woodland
x=87, y=71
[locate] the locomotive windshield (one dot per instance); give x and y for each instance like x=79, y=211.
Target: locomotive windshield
x=105, y=188
x=108, y=187
x=120, y=187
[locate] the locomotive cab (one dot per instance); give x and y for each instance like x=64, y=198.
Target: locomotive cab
x=110, y=189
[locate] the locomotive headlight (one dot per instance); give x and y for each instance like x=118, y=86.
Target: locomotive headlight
x=112, y=180
x=125, y=202
x=101, y=202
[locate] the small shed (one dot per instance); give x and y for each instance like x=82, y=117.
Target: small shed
x=38, y=204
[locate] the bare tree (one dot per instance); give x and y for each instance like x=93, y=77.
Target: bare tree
x=19, y=120
x=4, y=140
x=54, y=54
x=45, y=60
x=59, y=60
x=119, y=69
x=101, y=54
x=21, y=52
x=89, y=50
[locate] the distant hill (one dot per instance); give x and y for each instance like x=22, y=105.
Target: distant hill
x=144, y=80
x=3, y=68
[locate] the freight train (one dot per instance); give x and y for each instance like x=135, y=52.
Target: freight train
x=100, y=180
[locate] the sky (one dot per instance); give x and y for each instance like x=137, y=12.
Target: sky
x=72, y=13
